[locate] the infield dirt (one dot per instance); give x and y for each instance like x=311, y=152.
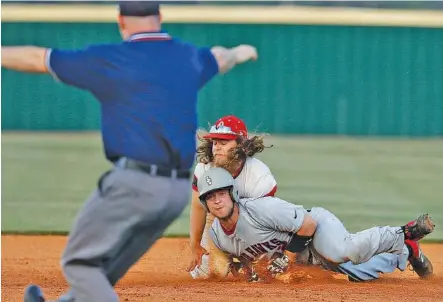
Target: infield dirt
x=160, y=276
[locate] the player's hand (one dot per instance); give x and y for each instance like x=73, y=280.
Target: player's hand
x=254, y=278
x=245, y=53
x=278, y=264
x=238, y=268
x=235, y=267
x=196, y=259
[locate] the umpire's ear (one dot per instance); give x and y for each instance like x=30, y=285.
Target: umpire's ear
x=121, y=21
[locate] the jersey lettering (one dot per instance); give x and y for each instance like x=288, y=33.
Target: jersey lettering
x=250, y=251
x=268, y=245
x=257, y=250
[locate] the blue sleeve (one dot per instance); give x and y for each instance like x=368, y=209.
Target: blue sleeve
x=77, y=68
x=209, y=65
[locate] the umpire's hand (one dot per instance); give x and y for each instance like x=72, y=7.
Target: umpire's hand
x=245, y=53
x=196, y=259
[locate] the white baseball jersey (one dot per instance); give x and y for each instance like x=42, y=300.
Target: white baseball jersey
x=254, y=179
x=263, y=228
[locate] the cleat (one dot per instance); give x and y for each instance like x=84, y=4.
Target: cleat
x=33, y=293
x=419, y=228
x=419, y=262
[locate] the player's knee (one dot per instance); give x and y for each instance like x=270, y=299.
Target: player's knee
x=352, y=253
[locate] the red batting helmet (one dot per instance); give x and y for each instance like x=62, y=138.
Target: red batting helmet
x=228, y=127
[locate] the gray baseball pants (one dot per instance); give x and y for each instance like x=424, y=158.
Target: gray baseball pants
x=335, y=244
x=119, y=222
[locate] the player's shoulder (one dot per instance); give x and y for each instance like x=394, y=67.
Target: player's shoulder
x=255, y=166
x=258, y=210
x=201, y=168
x=254, y=171
x=264, y=205
x=259, y=204
x=264, y=210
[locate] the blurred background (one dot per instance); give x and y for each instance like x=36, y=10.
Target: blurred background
x=363, y=4
x=351, y=93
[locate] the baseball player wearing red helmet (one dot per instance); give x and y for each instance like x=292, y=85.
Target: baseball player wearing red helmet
x=227, y=145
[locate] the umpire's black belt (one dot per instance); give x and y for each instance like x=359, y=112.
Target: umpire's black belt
x=153, y=170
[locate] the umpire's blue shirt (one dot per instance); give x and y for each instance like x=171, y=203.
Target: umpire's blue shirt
x=147, y=87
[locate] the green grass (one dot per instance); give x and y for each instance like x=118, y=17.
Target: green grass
x=47, y=176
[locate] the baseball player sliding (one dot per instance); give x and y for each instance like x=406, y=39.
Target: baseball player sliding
x=228, y=145
x=251, y=229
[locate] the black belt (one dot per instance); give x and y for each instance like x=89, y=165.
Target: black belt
x=152, y=170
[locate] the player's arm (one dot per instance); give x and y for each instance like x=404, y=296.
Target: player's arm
x=303, y=229
x=197, y=219
x=227, y=58
x=237, y=267
x=283, y=216
x=308, y=227
x=197, y=226
x=25, y=58
x=299, y=241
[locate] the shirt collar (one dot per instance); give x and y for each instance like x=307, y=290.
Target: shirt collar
x=149, y=36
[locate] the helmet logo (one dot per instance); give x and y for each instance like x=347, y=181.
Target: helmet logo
x=208, y=180
x=219, y=125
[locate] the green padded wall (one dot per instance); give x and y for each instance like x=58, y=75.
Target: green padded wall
x=352, y=80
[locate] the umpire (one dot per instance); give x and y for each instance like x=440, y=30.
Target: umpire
x=147, y=87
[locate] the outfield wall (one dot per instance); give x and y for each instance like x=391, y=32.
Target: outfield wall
x=320, y=71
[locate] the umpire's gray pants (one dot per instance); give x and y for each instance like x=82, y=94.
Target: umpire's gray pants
x=119, y=222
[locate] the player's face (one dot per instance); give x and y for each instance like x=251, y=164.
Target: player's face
x=221, y=149
x=220, y=204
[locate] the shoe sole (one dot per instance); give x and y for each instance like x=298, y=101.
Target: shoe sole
x=425, y=224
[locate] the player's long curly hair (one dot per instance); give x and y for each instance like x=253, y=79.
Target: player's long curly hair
x=245, y=147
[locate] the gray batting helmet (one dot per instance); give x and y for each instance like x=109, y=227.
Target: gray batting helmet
x=216, y=179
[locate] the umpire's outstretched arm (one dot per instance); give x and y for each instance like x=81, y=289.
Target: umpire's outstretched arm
x=33, y=58
x=25, y=58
